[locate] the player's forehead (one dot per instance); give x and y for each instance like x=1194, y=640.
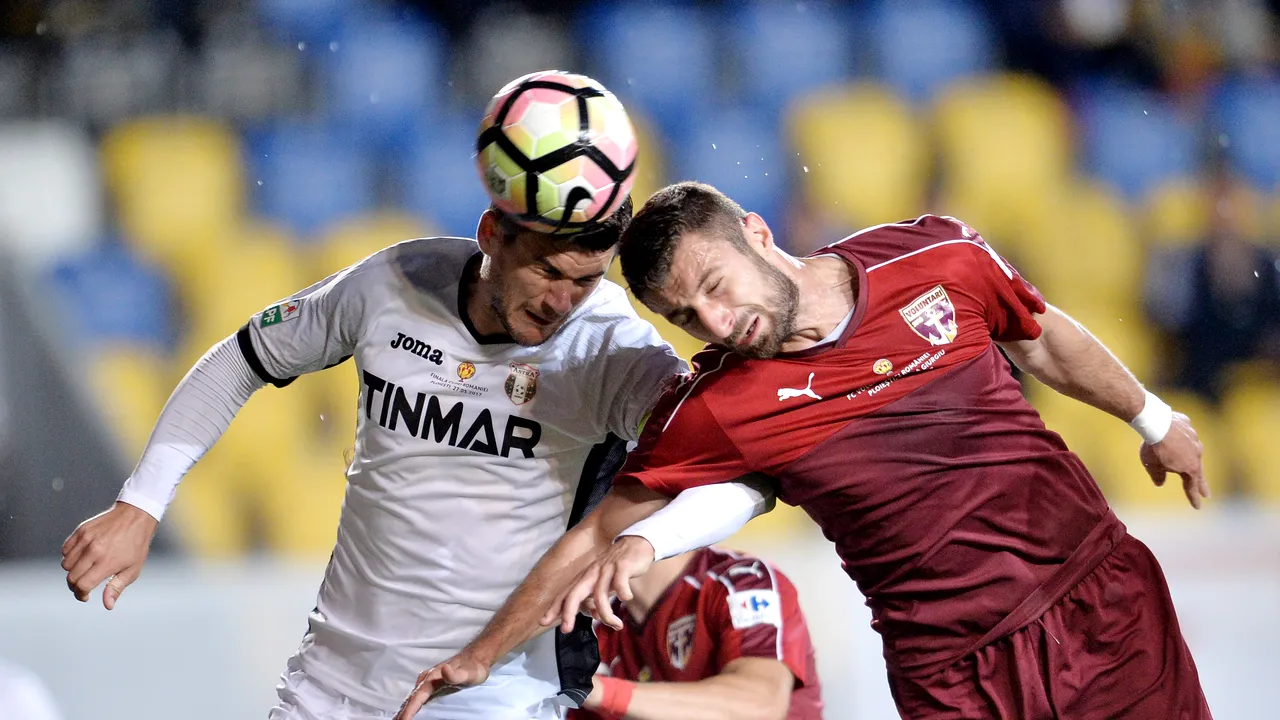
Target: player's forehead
x=697, y=256
x=565, y=257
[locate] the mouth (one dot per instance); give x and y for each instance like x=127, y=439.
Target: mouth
x=538, y=319
x=749, y=336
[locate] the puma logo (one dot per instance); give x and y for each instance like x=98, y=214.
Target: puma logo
x=806, y=391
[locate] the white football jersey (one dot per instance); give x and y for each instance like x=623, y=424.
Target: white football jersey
x=469, y=455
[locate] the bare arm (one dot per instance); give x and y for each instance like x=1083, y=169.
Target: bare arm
x=518, y=618
x=1067, y=358
x=749, y=688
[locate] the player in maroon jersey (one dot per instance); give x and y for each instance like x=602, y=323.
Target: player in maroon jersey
x=708, y=634
x=867, y=382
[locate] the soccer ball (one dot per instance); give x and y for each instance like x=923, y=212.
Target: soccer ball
x=556, y=152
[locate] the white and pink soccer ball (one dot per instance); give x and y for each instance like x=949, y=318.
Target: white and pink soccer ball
x=556, y=152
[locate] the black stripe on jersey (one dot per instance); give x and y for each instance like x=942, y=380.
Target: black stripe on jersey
x=577, y=653
x=255, y=364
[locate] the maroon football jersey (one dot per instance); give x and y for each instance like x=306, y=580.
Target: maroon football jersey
x=907, y=440
x=725, y=606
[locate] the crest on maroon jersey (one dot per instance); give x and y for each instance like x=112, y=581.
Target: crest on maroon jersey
x=680, y=640
x=932, y=317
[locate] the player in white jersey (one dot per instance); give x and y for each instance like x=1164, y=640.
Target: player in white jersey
x=499, y=378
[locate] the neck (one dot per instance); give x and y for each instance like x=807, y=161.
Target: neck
x=648, y=588
x=477, y=290
x=828, y=287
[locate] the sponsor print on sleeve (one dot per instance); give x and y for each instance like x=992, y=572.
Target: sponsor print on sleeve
x=283, y=312
x=755, y=607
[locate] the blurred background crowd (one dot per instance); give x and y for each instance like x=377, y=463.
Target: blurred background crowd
x=168, y=167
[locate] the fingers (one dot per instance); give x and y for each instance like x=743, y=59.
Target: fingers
x=85, y=575
x=72, y=548
x=427, y=681
x=116, y=585
x=622, y=586
x=572, y=601
x=603, y=589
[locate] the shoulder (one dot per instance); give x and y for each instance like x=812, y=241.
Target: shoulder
x=606, y=324
x=735, y=572
x=881, y=245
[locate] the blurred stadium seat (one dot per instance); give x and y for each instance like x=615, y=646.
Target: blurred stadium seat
x=313, y=22
x=1251, y=409
x=1245, y=113
x=308, y=176
x=353, y=240
x=921, y=46
x=1090, y=256
x=783, y=50
x=740, y=154
x=130, y=385
x=384, y=76
x=660, y=57
x=651, y=161
x=1136, y=139
x=864, y=156
x=437, y=177
x=254, y=265
x=1176, y=214
x=51, y=202
x=108, y=78
x=109, y=297
x=504, y=42
x=1004, y=145
x=241, y=78
x=177, y=184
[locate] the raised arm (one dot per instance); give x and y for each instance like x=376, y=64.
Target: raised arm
x=1067, y=358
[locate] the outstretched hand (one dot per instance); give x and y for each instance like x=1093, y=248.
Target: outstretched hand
x=461, y=670
x=611, y=573
x=110, y=546
x=1182, y=453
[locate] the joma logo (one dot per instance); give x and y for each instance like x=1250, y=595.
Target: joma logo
x=417, y=347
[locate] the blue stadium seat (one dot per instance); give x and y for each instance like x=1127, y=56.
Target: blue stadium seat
x=437, y=176
x=919, y=46
x=739, y=153
x=1135, y=140
x=659, y=56
x=783, y=50
x=109, y=296
x=315, y=22
x=384, y=75
x=1247, y=113
x=307, y=177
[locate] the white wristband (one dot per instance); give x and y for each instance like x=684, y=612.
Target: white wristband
x=1154, y=421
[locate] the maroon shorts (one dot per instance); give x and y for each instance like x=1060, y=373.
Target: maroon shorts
x=1110, y=648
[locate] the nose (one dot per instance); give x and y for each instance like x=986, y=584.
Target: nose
x=559, y=299
x=717, y=319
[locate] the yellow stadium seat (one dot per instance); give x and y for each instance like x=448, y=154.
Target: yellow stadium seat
x=1271, y=236
x=784, y=521
x=863, y=155
x=210, y=513
x=1177, y=214
x=355, y=239
x=255, y=266
x=1089, y=256
x=1077, y=423
x=130, y=386
x=1004, y=150
x=178, y=185
x=299, y=510
x=1251, y=409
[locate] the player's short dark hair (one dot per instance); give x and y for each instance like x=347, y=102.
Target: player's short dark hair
x=649, y=244
x=598, y=238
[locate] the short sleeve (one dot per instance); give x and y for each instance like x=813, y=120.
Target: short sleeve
x=641, y=366
x=683, y=446
x=1010, y=302
x=754, y=612
x=313, y=329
